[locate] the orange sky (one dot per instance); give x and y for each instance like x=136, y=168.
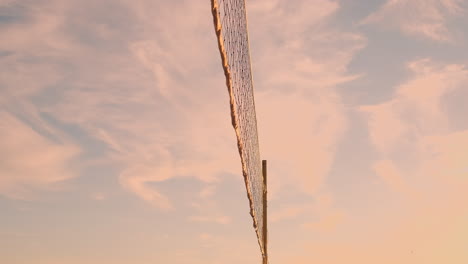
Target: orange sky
x=116, y=142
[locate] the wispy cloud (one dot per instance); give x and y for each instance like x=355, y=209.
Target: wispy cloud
x=299, y=59
x=413, y=130
x=429, y=18
x=137, y=94
x=158, y=106
x=161, y=108
x=30, y=161
x=416, y=109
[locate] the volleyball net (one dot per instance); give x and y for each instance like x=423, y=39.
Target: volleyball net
x=230, y=21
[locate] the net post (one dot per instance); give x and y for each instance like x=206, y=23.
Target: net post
x=265, y=214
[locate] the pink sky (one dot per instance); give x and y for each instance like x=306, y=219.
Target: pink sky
x=117, y=147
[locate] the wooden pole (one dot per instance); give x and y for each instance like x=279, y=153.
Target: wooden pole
x=265, y=213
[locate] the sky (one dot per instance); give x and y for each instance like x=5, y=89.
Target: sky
x=116, y=144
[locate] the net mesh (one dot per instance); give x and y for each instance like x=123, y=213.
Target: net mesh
x=231, y=29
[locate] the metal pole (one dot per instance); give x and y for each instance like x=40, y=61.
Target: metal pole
x=265, y=214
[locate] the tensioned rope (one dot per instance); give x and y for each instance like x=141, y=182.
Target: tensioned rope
x=230, y=21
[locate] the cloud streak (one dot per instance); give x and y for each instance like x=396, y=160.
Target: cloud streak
x=30, y=161
x=428, y=19
x=158, y=106
x=422, y=153
x=299, y=59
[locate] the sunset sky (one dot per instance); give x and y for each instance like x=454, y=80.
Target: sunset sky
x=116, y=144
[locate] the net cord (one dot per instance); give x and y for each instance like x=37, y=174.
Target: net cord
x=227, y=73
